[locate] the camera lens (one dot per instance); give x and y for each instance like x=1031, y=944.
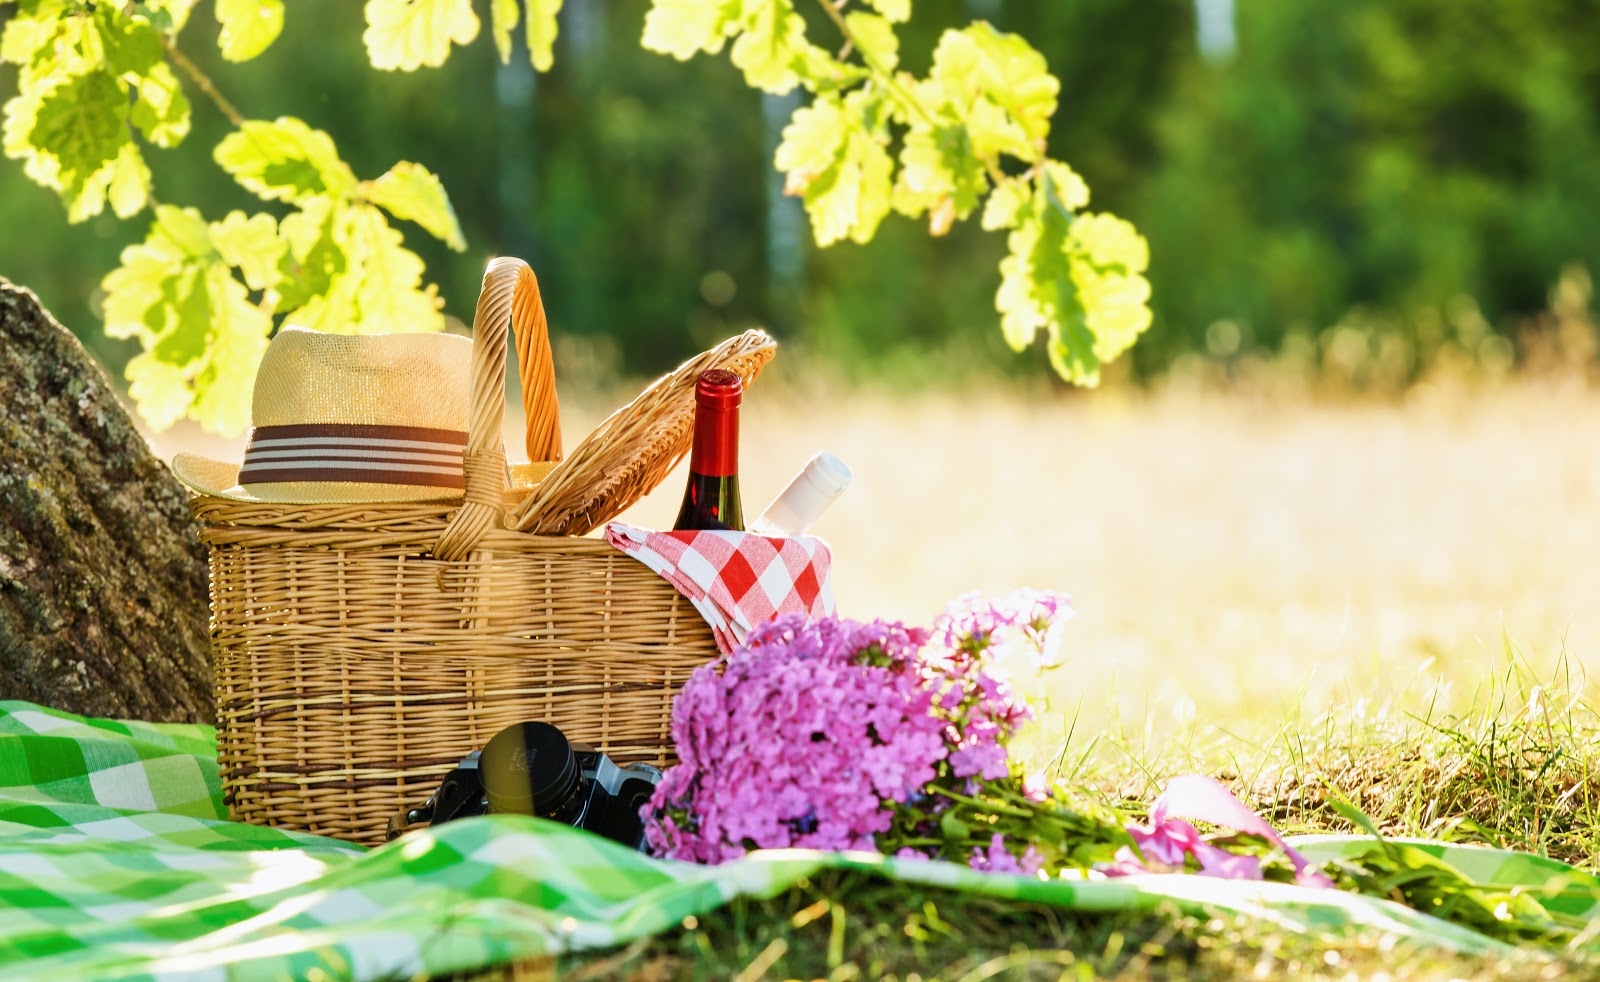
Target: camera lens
x=529, y=769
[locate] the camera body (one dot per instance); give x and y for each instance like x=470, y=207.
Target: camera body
x=532, y=769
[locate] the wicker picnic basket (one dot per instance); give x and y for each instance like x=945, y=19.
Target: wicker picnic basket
x=362, y=650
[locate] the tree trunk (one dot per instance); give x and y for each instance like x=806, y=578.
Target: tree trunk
x=102, y=575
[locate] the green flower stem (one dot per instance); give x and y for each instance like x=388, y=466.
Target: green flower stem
x=988, y=806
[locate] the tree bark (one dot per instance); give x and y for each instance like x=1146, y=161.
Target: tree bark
x=102, y=574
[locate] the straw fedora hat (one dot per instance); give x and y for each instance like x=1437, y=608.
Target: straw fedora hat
x=349, y=418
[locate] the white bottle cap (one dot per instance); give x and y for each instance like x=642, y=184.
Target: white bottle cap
x=824, y=479
x=827, y=474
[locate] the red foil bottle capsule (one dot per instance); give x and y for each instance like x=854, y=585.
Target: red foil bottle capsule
x=711, y=501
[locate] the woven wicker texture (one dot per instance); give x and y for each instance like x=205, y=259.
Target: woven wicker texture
x=353, y=669
x=510, y=295
x=634, y=449
x=363, y=649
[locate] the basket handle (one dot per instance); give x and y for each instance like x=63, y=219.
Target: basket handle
x=510, y=297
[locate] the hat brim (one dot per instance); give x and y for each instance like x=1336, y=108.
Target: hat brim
x=220, y=479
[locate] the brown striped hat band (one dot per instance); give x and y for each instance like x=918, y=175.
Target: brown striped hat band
x=328, y=452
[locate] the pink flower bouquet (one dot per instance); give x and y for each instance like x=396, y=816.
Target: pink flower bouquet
x=843, y=735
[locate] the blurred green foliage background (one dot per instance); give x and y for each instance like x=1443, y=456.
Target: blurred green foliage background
x=1366, y=180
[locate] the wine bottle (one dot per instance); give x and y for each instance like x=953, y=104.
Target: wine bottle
x=711, y=501
x=816, y=487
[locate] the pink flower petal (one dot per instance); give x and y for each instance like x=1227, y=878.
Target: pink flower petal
x=1202, y=799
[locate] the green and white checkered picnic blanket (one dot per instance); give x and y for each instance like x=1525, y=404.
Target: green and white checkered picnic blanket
x=116, y=862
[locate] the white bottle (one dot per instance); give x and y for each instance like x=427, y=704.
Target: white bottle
x=805, y=499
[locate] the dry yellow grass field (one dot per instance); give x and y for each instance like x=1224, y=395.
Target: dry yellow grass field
x=1231, y=560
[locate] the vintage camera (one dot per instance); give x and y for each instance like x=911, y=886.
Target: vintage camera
x=532, y=769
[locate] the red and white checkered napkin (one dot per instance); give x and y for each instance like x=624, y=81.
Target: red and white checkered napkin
x=735, y=580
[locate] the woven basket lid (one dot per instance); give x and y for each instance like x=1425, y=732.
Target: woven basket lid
x=635, y=448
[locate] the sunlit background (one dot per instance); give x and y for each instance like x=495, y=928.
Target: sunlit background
x=1356, y=448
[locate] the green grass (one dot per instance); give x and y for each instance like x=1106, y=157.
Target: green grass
x=1512, y=763
x=1515, y=766
x=852, y=927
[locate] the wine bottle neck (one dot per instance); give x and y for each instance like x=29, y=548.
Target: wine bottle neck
x=716, y=442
